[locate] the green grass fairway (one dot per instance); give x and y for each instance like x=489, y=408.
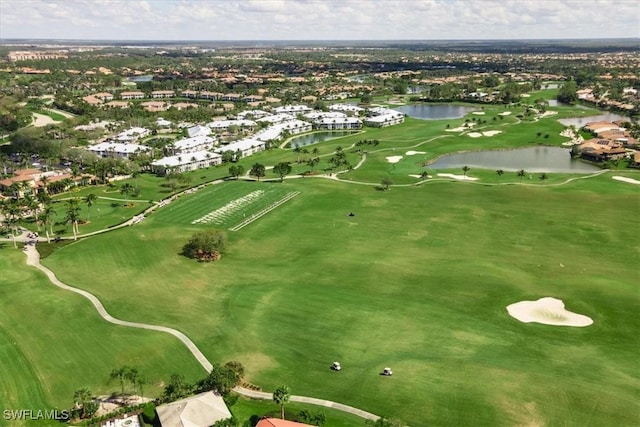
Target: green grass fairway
x=52, y=342
x=221, y=206
x=417, y=280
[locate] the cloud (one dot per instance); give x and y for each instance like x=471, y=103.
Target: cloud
x=318, y=19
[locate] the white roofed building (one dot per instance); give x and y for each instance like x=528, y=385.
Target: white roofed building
x=201, y=410
x=132, y=134
x=190, y=145
x=276, y=131
x=252, y=114
x=117, y=149
x=382, y=117
x=245, y=147
x=292, y=109
x=198, y=131
x=347, y=108
x=226, y=124
x=314, y=115
x=276, y=118
x=339, y=123
x=186, y=162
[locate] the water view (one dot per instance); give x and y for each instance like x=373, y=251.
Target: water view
x=531, y=159
x=435, y=111
x=140, y=79
x=313, y=138
x=578, y=122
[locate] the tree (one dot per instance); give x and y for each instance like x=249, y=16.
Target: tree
x=568, y=92
x=125, y=190
x=257, y=170
x=47, y=218
x=89, y=200
x=206, y=245
x=221, y=379
x=120, y=374
x=424, y=175
x=176, y=388
x=500, y=172
x=282, y=169
x=11, y=213
x=236, y=170
x=386, y=182
x=521, y=174
x=543, y=177
x=465, y=169
x=73, y=216
x=132, y=375
x=81, y=398
x=236, y=367
x=281, y=396
x=318, y=419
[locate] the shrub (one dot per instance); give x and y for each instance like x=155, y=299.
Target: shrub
x=207, y=245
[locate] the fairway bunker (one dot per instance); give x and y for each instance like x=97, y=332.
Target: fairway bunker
x=548, y=311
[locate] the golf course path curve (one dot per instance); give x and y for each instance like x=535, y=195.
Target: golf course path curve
x=33, y=259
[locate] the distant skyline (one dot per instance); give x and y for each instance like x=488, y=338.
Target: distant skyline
x=221, y=20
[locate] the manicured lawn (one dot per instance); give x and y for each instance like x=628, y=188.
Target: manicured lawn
x=417, y=280
x=53, y=342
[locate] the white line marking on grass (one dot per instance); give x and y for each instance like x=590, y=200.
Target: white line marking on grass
x=265, y=211
x=219, y=215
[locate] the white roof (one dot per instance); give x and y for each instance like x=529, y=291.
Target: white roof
x=252, y=113
x=276, y=118
x=384, y=117
x=274, y=131
x=118, y=147
x=162, y=122
x=330, y=120
x=185, y=159
x=292, y=109
x=198, y=131
x=321, y=115
x=242, y=145
x=344, y=107
x=196, y=141
x=223, y=124
x=202, y=410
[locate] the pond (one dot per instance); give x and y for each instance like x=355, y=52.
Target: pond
x=435, y=111
x=313, y=138
x=578, y=122
x=140, y=79
x=531, y=159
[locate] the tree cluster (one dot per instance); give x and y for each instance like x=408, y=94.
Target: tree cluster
x=206, y=245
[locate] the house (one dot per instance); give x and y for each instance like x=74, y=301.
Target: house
x=338, y=123
x=598, y=128
x=226, y=124
x=132, y=95
x=189, y=94
x=346, y=108
x=154, y=106
x=132, y=134
x=163, y=94
x=201, y=410
x=277, y=422
x=601, y=150
x=198, y=131
x=186, y=162
x=277, y=130
x=193, y=144
x=245, y=147
x=292, y=109
x=162, y=122
x=104, y=96
x=117, y=149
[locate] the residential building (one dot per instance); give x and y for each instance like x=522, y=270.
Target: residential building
x=163, y=94
x=338, y=123
x=600, y=150
x=193, y=144
x=186, y=162
x=226, y=124
x=245, y=147
x=292, y=109
x=277, y=422
x=277, y=130
x=131, y=95
x=117, y=149
x=346, y=108
x=382, y=117
x=198, y=131
x=132, y=134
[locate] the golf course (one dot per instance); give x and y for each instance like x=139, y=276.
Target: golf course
x=416, y=277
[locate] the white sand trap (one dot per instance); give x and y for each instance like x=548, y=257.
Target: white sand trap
x=460, y=177
x=419, y=176
x=505, y=113
x=526, y=95
x=479, y=113
x=475, y=134
x=413, y=153
x=394, y=159
x=491, y=132
x=460, y=128
x=548, y=311
x=625, y=179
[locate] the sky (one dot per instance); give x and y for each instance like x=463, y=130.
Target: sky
x=318, y=19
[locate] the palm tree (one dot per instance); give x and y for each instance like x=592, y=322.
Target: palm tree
x=46, y=218
x=315, y=151
x=120, y=374
x=11, y=213
x=543, y=177
x=465, y=169
x=125, y=190
x=73, y=216
x=386, y=182
x=142, y=380
x=89, y=200
x=132, y=376
x=424, y=175
x=297, y=150
x=281, y=396
x=45, y=183
x=81, y=397
x=521, y=174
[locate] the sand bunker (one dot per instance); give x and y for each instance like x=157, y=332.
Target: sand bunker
x=479, y=113
x=461, y=128
x=475, y=134
x=491, y=132
x=419, y=176
x=411, y=153
x=394, y=159
x=548, y=311
x=625, y=179
x=460, y=177
x=505, y=113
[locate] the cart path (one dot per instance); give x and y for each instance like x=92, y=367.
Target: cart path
x=33, y=259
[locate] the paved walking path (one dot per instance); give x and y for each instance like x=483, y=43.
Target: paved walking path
x=33, y=259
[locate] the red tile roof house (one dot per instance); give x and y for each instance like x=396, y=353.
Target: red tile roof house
x=276, y=422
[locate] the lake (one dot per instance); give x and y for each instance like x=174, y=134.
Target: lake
x=578, y=122
x=140, y=79
x=313, y=138
x=531, y=159
x=435, y=111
